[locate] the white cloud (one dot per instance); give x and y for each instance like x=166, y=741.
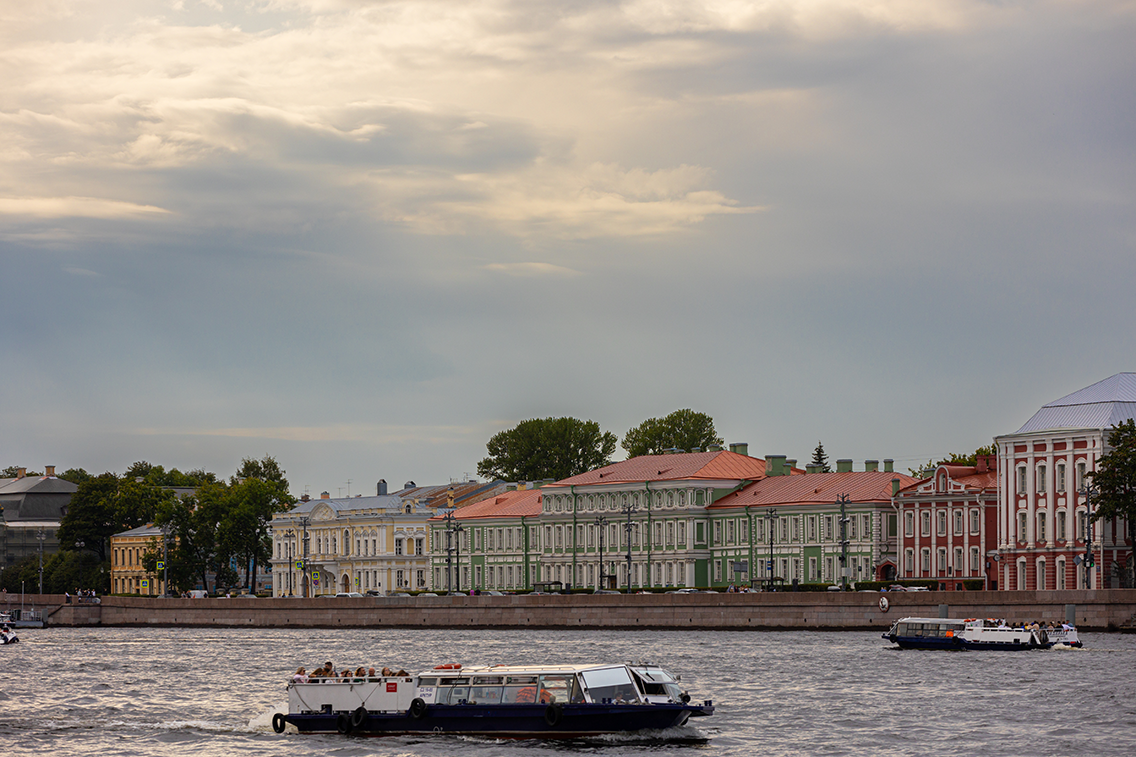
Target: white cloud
x=74, y=207
x=531, y=270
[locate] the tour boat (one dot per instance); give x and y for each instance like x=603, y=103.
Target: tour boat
x=976, y=633
x=6, y=635
x=499, y=701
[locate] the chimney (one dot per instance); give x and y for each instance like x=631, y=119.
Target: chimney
x=889, y=465
x=789, y=466
x=325, y=495
x=844, y=466
x=741, y=448
x=695, y=449
x=21, y=472
x=382, y=487
x=894, y=486
x=984, y=463
x=775, y=465
x=714, y=448
x=871, y=465
x=305, y=498
x=812, y=468
x=49, y=471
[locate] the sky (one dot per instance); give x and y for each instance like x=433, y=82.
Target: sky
x=364, y=236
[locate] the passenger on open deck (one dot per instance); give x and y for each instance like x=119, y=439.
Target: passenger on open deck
x=300, y=676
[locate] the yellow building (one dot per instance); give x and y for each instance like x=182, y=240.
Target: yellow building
x=127, y=550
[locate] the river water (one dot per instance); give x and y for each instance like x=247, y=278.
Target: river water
x=156, y=692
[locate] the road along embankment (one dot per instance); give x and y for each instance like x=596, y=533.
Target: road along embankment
x=1106, y=609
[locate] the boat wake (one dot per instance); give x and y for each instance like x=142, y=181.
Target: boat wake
x=263, y=721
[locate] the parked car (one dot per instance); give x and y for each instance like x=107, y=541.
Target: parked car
x=348, y=594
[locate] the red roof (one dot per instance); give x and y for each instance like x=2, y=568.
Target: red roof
x=514, y=504
x=816, y=489
x=966, y=475
x=684, y=465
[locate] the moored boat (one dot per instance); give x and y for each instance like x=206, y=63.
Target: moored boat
x=544, y=701
x=976, y=633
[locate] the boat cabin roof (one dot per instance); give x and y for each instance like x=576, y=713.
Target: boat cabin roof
x=506, y=669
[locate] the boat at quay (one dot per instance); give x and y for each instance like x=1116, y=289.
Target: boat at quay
x=499, y=701
x=976, y=633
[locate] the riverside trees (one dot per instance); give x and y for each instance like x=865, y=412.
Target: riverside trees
x=1115, y=480
x=542, y=448
x=682, y=429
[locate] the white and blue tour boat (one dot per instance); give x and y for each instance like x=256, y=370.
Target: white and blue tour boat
x=499, y=701
x=977, y=633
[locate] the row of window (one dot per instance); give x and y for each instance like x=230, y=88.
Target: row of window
x=1042, y=479
x=958, y=566
x=325, y=544
x=1060, y=531
x=556, y=503
x=957, y=517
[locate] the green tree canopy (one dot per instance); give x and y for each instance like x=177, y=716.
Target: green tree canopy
x=684, y=429
x=542, y=448
x=820, y=458
x=1115, y=481
x=955, y=458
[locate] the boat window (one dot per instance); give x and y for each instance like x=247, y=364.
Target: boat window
x=560, y=687
x=453, y=695
x=531, y=680
x=488, y=680
x=485, y=695
x=428, y=682
x=610, y=683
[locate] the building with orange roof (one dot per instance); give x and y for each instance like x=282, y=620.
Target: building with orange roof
x=488, y=545
x=788, y=529
x=643, y=522
x=949, y=526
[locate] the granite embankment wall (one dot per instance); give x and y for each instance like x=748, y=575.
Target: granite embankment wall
x=1095, y=610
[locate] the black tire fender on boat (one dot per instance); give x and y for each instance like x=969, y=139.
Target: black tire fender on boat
x=552, y=714
x=343, y=723
x=417, y=708
x=359, y=717
x=278, y=722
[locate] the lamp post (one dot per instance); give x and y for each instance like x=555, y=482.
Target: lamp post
x=628, y=509
x=41, y=535
x=304, y=520
x=842, y=500
x=601, y=525
x=290, y=535
x=454, y=531
x=1088, y=560
x=770, y=514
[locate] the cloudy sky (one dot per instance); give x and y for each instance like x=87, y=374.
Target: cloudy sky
x=363, y=236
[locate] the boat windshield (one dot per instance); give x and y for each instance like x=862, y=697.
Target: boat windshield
x=610, y=683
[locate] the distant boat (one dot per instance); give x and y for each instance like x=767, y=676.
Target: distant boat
x=976, y=633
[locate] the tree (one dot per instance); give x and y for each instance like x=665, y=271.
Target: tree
x=92, y=516
x=682, y=429
x=542, y=448
x=14, y=470
x=820, y=458
x=954, y=458
x=1115, y=480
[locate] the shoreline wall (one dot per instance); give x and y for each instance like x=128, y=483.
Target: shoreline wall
x=1106, y=609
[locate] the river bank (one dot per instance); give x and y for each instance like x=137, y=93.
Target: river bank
x=1107, y=609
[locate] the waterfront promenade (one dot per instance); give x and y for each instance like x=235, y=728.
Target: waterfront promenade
x=1107, y=609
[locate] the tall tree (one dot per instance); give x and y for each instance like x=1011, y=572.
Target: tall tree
x=820, y=457
x=92, y=516
x=1115, y=479
x=542, y=448
x=684, y=429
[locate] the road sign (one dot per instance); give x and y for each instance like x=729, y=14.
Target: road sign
x=315, y=575
x=145, y=583
x=161, y=565
x=356, y=580
x=299, y=565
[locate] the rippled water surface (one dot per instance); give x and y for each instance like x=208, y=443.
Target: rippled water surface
x=143, y=692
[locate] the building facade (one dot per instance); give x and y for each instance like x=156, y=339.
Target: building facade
x=791, y=528
x=1044, y=508
x=127, y=555
x=949, y=525
x=489, y=545
x=31, y=510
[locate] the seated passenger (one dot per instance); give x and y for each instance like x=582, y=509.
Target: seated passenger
x=360, y=672
x=387, y=672
x=300, y=676
x=401, y=672
x=370, y=671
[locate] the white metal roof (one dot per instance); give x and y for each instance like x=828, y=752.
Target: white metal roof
x=1102, y=405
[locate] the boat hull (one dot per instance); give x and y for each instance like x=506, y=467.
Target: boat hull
x=536, y=721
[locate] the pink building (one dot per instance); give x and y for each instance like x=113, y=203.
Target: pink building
x=949, y=526
x=1042, y=510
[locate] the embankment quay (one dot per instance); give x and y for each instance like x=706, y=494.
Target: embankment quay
x=1106, y=609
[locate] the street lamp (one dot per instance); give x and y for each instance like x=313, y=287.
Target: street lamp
x=290, y=535
x=41, y=535
x=1088, y=560
x=453, y=545
x=770, y=514
x=628, y=509
x=601, y=526
x=842, y=500
x=304, y=521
